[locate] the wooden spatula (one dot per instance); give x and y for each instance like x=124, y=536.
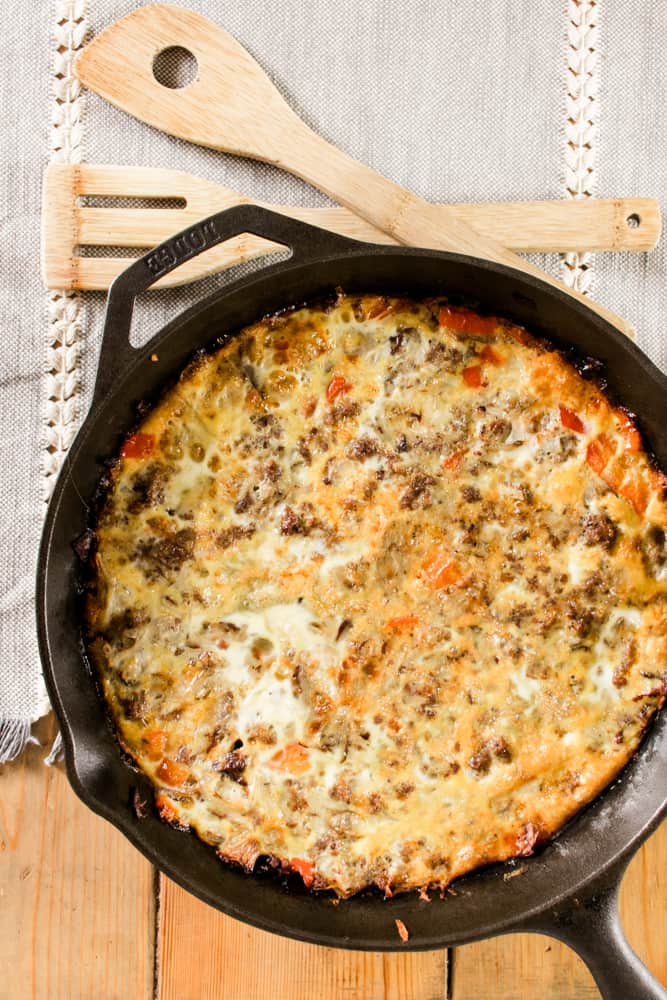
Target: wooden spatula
x=232, y=105
x=69, y=225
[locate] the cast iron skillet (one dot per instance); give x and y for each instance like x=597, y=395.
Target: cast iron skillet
x=569, y=889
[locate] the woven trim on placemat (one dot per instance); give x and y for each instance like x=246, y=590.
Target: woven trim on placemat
x=62, y=393
x=581, y=118
x=63, y=375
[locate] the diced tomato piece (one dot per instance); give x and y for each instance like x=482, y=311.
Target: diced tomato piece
x=440, y=570
x=599, y=452
x=336, y=386
x=467, y=321
x=156, y=742
x=473, y=376
x=403, y=623
x=306, y=869
x=454, y=459
x=293, y=758
x=491, y=356
x=172, y=773
x=570, y=420
x=138, y=445
x=631, y=436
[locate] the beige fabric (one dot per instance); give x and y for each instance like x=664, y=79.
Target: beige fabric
x=459, y=101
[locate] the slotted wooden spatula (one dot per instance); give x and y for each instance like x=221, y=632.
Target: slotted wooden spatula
x=232, y=105
x=73, y=229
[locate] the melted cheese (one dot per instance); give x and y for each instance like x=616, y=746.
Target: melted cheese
x=380, y=594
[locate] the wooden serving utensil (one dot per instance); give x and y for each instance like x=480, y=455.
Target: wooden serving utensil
x=69, y=226
x=232, y=105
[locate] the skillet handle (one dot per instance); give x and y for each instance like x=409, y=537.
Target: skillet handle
x=307, y=243
x=590, y=924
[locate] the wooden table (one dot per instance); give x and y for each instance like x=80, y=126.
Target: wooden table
x=84, y=915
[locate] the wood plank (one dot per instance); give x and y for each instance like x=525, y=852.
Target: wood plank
x=644, y=903
x=527, y=966
x=77, y=915
x=207, y=956
x=520, y=967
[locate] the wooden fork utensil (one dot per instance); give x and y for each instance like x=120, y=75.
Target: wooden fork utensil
x=80, y=241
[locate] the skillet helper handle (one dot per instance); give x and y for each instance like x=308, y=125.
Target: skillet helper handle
x=306, y=243
x=591, y=925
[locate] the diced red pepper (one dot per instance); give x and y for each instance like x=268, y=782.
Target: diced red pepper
x=570, y=420
x=519, y=334
x=635, y=491
x=172, y=773
x=491, y=356
x=454, y=459
x=156, y=742
x=628, y=483
x=599, y=452
x=467, y=321
x=473, y=376
x=294, y=759
x=403, y=623
x=440, y=570
x=336, y=386
x=306, y=869
x=138, y=445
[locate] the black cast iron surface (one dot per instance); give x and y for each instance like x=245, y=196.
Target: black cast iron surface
x=569, y=888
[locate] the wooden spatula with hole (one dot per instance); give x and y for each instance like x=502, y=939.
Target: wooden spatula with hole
x=80, y=240
x=232, y=105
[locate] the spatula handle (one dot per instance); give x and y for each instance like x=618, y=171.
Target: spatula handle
x=405, y=216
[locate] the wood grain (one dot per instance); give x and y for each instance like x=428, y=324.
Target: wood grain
x=520, y=967
x=68, y=225
x=232, y=105
x=532, y=967
x=644, y=904
x=77, y=911
x=207, y=956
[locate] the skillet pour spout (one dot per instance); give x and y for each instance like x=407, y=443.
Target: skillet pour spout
x=569, y=889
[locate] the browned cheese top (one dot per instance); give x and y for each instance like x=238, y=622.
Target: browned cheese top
x=380, y=593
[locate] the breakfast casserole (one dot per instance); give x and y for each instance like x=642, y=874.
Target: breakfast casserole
x=378, y=593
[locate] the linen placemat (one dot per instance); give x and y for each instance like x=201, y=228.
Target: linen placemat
x=457, y=100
